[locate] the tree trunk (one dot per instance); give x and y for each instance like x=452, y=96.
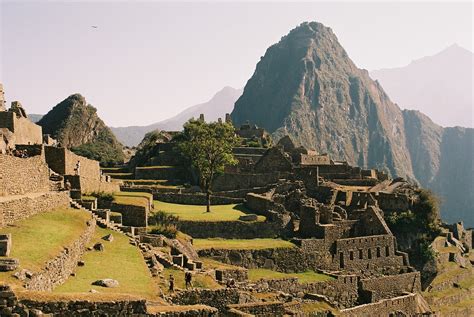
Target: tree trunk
x=208, y=201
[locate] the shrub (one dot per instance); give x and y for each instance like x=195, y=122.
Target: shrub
x=169, y=231
x=107, y=197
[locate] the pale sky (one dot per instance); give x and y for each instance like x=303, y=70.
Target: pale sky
x=146, y=61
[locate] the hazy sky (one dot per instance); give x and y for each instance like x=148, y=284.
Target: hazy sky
x=146, y=61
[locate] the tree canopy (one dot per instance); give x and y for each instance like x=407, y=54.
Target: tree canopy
x=208, y=146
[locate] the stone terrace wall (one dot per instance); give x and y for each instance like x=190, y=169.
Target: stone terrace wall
x=406, y=304
x=219, y=298
x=134, y=216
x=375, y=289
x=194, y=199
x=230, y=181
x=57, y=270
x=258, y=309
x=342, y=291
x=12, y=210
x=230, y=229
x=88, y=308
x=19, y=176
x=284, y=259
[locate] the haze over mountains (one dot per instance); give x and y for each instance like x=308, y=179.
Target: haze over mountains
x=440, y=86
x=307, y=87
x=220, y=104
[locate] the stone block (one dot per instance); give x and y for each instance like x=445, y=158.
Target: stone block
x=191, y=266
x=249, y=217
x=178, y=260
x=198, y=265
x=9, y=264
x=5, y=244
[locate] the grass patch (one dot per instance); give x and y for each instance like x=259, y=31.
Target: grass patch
x=119, y=261
x=230, y=212
x=133, y=198
x=317, y=307
x=241, y=244
x=199, y=280
x=305, y=277
x=214, y=264
x=155, y=167
x=41, y=237
x=86, y=197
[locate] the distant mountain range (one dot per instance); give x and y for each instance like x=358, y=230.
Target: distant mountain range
x=220, y=104
x=440, y=86
x=307, y=87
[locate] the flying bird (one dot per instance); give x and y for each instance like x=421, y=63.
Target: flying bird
x=94, y=26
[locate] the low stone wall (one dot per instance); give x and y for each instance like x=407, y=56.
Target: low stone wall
x=384, y=287
x=88, y=307
x=258, y=309
x=406, y=304
x=236, y=181
x=237, y=274
x=284, y=259
x=159, y=172
x=230, y=229
x=57, y=270
x=188, y=311
x=20, y=207
x=219, y=298
x=194, y=199
x=133, y=216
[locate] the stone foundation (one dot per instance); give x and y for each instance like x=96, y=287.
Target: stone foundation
x=230, y=229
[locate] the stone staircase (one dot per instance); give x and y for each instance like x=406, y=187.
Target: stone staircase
x=101, y=222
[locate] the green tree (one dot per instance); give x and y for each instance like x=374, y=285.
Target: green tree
x=208, y=146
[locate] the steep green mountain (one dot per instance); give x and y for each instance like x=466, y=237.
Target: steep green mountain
x=76, y=125
x=306, y=86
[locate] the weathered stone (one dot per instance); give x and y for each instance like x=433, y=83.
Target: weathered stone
x=99, y=247
x=106, y=283
x=248, y=217
x=9, y=264
x=108, y=237
x=5, y=244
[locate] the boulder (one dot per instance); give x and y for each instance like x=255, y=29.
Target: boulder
x=107, y=282
x=108, y=237
x=248, y=217
x=99, y=247
x=9, y=264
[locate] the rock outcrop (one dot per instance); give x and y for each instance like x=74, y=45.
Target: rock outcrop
x=76, y=125
x=306, y=86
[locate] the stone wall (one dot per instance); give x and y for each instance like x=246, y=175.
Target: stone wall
x=362, y=252
x=384, y=287
x=230, y=229
x=134, y=216
x=13, y=209
x=58, y=270
x=283, y=259
x=19, y=176
x=258, y=309
x=406, y=304
x=194, y=199
x=392, y=202
x=88, y=307
x=236, y=181
x=25, y=131
x=237, y=274
x=63, y=162
x=342, y=291
x=159, y=172
x=218, y=298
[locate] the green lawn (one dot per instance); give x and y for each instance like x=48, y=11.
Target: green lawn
x=230, y=212
x=120, y=261
x=199, y=280
x=155, y=167
x=39, y=238
x=305, y=277
x=241, y=244
x=133, y=198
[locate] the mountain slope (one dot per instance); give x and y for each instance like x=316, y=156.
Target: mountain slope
x=433, y=85
x=307, y=87
x=220, y=104
x=76, y=125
